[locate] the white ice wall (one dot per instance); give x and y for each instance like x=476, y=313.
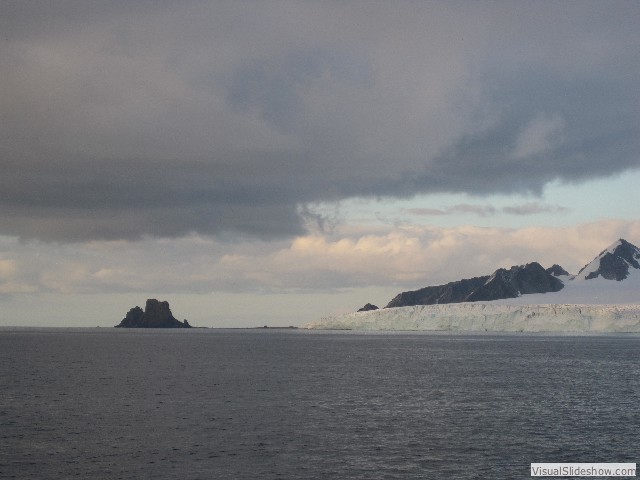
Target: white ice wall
x=492, y=317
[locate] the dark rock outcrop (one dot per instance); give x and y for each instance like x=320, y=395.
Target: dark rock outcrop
x=614, y=262
x=156, y=314
x=450, y=293
x=521, y=280
x=503, y=283
x=368, y=307
x=557, y=271
x=132, y=319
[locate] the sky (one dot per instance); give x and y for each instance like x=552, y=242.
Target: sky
x=272, y=162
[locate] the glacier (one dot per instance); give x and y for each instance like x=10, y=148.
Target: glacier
x=491, y=317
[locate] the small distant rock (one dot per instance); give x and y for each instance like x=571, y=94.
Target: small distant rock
x=156, y=314
x=368, y=307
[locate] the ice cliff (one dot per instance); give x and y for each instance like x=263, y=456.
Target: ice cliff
x=495, y=317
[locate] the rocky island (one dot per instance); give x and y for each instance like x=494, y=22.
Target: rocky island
x=156, y=314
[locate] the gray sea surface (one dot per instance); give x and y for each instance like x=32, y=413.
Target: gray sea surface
x=297, y=404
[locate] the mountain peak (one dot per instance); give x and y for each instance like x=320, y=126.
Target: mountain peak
x=613, y=263
x=557, y=271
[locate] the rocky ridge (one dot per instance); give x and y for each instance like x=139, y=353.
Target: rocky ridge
x=557, y=271
x=503, y=283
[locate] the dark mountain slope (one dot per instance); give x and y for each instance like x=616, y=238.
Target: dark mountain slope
x=503, y=283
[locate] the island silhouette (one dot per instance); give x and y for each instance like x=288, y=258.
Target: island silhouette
x=156, y=314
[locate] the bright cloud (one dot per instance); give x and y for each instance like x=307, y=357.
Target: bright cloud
x=354, y=258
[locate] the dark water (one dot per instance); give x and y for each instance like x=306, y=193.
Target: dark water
x=254, y=404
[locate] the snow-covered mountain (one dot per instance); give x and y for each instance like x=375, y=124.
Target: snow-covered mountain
x=613, y=277
x=603, y=297
x=618, y=262
x=614, y=263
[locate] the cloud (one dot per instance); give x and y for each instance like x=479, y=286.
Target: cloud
x=480, y=210
x=534, y=208
x=10, y=283
x=130, y=119
x=539, y=136
x=347, y=258
x=531, y=208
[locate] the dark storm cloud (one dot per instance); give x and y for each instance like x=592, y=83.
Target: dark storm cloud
x=126, y=119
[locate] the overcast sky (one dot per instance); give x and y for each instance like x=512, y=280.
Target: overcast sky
x=298, y=158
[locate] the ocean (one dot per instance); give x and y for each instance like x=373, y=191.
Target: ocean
x=297, y=404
